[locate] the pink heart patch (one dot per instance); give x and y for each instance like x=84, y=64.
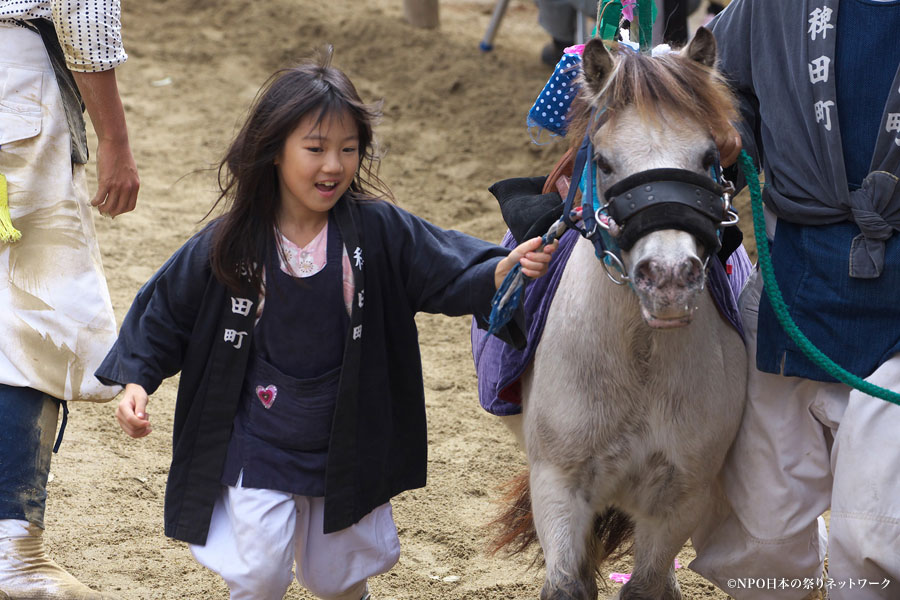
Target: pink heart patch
x=266, y=394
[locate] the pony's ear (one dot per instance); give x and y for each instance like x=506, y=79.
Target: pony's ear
x=597, y=64
x=702, y=48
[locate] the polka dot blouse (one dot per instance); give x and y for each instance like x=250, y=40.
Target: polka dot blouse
x=90, y=31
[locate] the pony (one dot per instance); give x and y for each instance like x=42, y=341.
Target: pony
x=635, y=391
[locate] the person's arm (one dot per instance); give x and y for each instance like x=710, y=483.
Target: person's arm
x=117, y=175
x=732, y=28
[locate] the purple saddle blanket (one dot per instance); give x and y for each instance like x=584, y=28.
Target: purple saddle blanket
x=500, y=366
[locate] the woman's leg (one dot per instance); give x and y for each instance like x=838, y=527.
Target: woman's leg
x=27, y=430
x=863, y=555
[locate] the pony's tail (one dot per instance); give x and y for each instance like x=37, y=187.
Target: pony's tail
x=613, y=535
x=515, y=532
x=514, y=527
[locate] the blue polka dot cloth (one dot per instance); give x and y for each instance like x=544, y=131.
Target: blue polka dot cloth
x=551, y=108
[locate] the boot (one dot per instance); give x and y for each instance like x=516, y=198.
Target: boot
x=27, y=573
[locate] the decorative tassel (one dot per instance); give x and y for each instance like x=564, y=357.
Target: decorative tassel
x=8, y=233
x=507, y=299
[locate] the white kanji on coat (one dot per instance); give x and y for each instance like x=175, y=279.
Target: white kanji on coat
x=357, y=257
x=823, y=112
x=231, y=335
x=820, y=22
x=361, y=297
x=892, y=122
x=241, y=306
x=357, y=332
x=818, y=69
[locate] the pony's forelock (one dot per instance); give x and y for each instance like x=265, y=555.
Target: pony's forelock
x=664, y=85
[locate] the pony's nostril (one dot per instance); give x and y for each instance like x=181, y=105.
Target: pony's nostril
x=647, y=271
x=654, y=273
x=690, y=272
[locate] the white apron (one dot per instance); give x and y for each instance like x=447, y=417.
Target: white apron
x=56, y=318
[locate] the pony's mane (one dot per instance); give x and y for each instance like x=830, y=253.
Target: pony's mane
x=657, y=86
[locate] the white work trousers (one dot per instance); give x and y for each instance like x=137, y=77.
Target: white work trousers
x=255, y=535
x=56, y=318
x=805, y=446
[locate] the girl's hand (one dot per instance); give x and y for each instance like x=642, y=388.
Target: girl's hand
x=729, y=143
x=132, y=411
x=534, y=263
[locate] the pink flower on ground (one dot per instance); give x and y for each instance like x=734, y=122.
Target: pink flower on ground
x=624, y=577
x=620, y=577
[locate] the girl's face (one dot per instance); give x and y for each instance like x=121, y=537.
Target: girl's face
x=316, y=166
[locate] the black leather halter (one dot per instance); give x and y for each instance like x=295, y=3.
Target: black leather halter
x=668, y=199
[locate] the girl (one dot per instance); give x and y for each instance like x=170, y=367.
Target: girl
x=300, y=408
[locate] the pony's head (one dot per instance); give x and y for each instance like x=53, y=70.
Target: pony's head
x=651, y=129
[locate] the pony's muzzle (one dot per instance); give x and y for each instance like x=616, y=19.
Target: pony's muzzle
x=667, y=291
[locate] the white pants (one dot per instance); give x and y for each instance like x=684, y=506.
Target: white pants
x=255, y=535
x=805, y=446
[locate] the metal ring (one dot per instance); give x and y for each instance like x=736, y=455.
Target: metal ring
x=622, y=277
x=598, y=220
x=733, y=218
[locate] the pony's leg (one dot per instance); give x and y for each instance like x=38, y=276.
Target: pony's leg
x=564, y=523
x=657, y=541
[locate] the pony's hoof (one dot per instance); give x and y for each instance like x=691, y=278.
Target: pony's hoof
x=631, y=592
x=569, y=589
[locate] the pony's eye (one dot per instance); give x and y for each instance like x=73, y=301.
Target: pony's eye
x=603, y=164
x=710, y=158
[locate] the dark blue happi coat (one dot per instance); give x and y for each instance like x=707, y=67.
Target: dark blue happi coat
x=184, y=320
x=819, y=94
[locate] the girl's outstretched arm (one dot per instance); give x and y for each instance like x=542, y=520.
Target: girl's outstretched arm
x=132, y=411
x=534, y=263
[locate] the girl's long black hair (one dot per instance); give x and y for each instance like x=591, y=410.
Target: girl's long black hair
x=247, y=177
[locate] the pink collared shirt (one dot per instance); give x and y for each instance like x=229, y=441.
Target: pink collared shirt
x=309, y=260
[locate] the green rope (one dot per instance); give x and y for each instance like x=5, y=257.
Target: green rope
x=778, y=305
x=645, y=25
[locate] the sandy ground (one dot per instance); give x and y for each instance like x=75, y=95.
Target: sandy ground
x=454, y=122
